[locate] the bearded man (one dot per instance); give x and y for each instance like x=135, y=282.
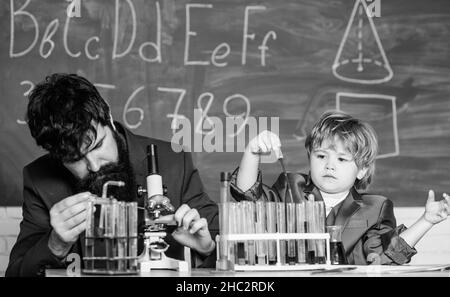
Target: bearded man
x=70, y=120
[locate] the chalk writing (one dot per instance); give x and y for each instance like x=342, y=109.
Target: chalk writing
x=125, y=20
x=27, y=92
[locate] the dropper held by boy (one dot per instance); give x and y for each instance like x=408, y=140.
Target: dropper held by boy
x=342, y=152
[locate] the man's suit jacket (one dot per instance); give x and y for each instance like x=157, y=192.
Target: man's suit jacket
x=368, y=221
x=47, y=181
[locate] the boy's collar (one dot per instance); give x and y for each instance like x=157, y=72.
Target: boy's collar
x=310, y=188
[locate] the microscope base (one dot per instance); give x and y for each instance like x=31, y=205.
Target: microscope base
x=164, y=263
x=153, y=259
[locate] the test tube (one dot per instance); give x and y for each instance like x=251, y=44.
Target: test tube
x=249, y=209
x=319, y=217
x=89, y=239
x=223, y=226
x=132, y=217
x=291, y=226
x=223, y=246
x=111, y=214
x=310, y=228
x=301, y=228
x=271, y=213
x=223, y=262
x=122, y=236
x=241, y=245
x=260, y=228
x=232, y=227
x=281, y=228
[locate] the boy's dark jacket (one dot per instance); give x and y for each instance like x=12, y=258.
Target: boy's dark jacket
x=368, y=221
x=46, y=182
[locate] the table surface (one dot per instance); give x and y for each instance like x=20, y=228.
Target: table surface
x=356, y=271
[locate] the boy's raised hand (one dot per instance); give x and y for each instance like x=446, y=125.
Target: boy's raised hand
x=436, y=211
x=257, y=151
x=264, y=143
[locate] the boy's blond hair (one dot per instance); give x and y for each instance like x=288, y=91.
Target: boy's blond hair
x=358, y=137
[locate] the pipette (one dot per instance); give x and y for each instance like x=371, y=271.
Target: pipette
x=291, y=244
x=279, y=156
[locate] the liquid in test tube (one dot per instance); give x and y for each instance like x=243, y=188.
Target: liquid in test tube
x=260, y=226
x=90, y=239
x=111, y=214
x=241, y=245
x=310, y=228
x=249, y=208
x=301, y=228
x=291, y=226
x=271, y=212
x=281, y=228
x=132, y=235
x=319, y=217
x=233, y=245
x=122, y=243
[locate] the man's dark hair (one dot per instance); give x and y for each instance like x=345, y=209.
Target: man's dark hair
x=62, y=115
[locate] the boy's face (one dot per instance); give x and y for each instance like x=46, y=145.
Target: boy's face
x=103, y=151
x=333, y=169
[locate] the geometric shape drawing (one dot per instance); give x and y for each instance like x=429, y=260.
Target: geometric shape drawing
x=361, y=57
x=375, y=109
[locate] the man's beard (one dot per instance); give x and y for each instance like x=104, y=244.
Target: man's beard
x=119, y=171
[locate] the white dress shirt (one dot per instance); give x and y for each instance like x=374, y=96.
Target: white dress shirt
x=331, y=200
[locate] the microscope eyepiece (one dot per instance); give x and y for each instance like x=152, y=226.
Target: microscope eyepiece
x=152, y=159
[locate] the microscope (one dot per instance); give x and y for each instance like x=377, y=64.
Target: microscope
x=159, y=221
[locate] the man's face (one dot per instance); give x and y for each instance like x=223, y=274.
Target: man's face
x=333, y=168
x=103, y=151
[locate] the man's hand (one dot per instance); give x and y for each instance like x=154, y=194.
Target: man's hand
x=436, y=211
x=193, y=231
x=68, y=220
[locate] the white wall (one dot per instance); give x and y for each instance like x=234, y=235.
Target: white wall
x=10, y=218
x=434, y=248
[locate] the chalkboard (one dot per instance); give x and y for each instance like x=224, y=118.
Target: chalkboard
x=155, y=62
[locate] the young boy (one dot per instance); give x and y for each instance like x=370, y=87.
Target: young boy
x=341, y=152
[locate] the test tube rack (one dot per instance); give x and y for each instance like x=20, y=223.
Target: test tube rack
x=278, y=237
x=111, y=240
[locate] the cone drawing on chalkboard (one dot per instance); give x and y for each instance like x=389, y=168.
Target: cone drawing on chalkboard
x=361, y=57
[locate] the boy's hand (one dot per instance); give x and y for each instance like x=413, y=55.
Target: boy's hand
x=257, y=151
x=193, y=230
x=436, y=211
x=264, y=143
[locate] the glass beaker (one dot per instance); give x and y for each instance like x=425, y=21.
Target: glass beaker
x=337, y=253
